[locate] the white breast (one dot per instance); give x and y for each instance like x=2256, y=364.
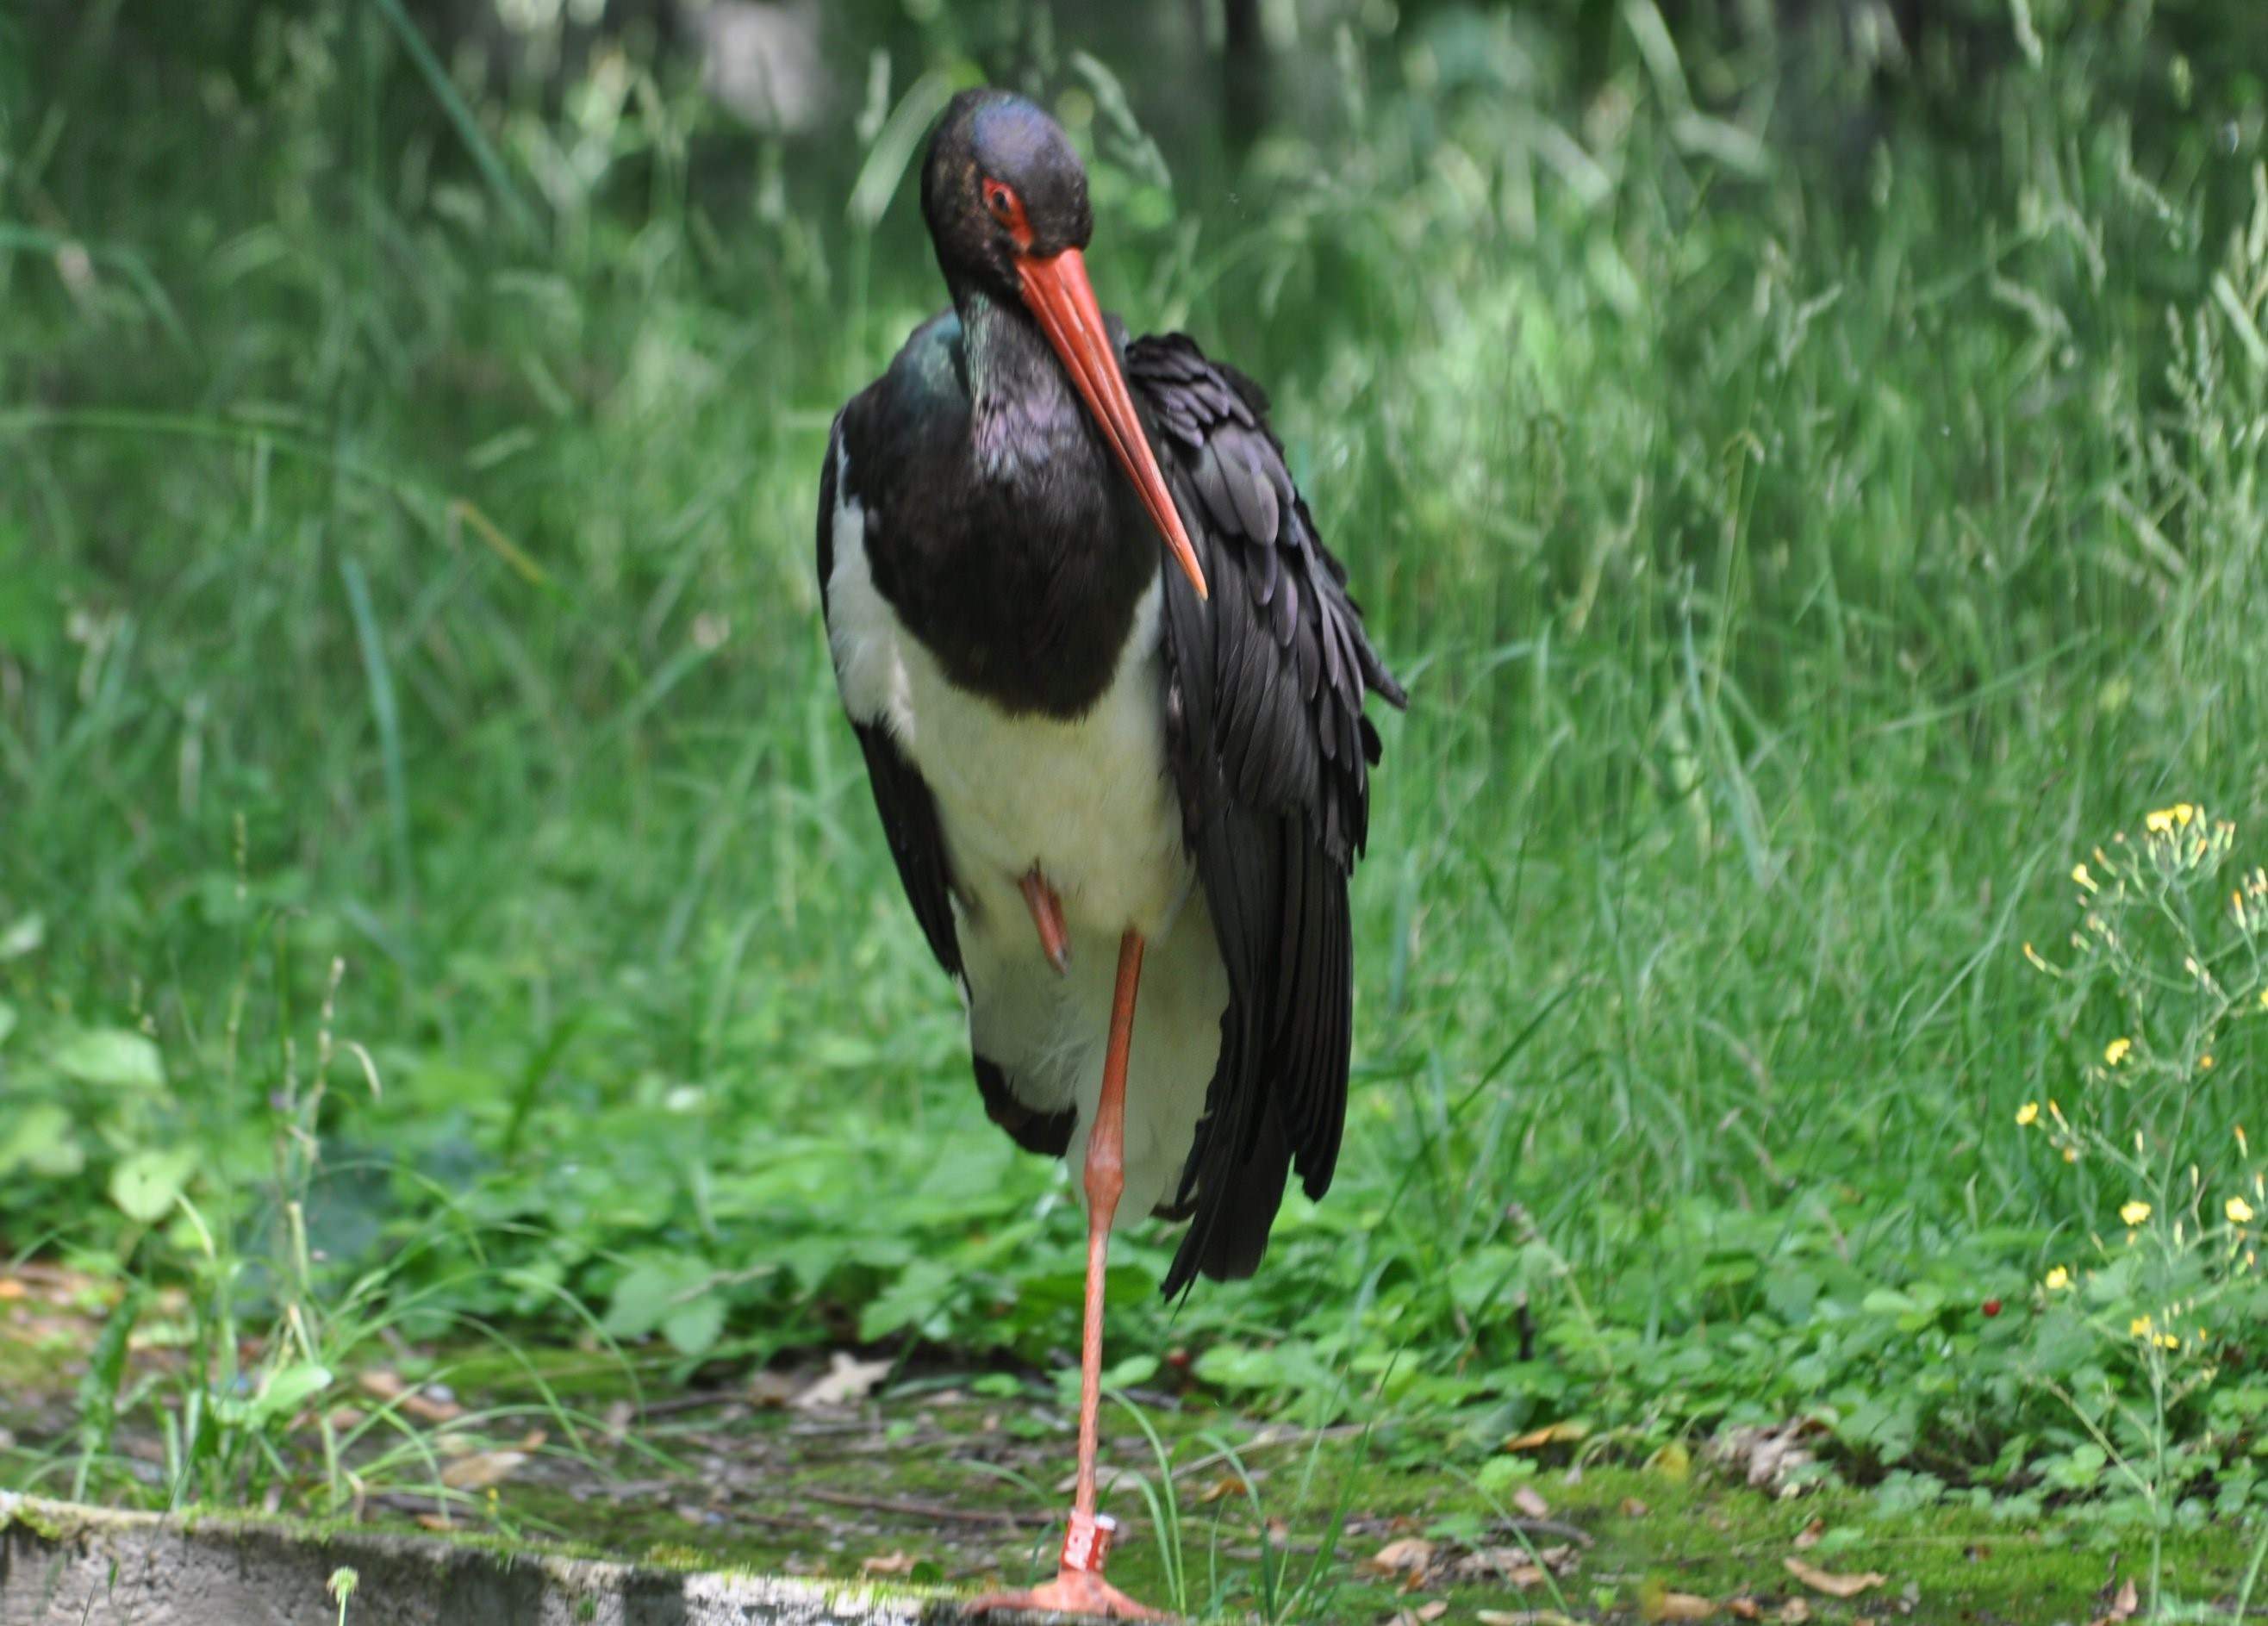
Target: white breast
x=1090, y=802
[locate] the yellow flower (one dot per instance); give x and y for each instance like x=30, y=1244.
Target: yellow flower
x=2134, y=1213
x=2078, y=874
x=2205, y=1062
x=2166, y=820
x=2167, y=1341
x=2028, y=1115
x=2114, y=1052
x=2057, y=1279
x=2239, y=1212
x=2139, y=1327
x=2264, y=999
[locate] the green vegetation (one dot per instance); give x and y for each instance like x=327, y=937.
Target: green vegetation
x=439, y=903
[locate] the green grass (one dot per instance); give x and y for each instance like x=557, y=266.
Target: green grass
x=1802, y=553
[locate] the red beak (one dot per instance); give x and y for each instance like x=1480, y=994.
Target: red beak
x=1056, y=289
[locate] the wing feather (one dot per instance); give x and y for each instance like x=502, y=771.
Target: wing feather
x=1267, y=677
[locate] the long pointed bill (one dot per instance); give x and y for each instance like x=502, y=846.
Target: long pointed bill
x=1056, y=289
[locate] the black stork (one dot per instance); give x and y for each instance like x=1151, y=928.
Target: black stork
x=1101, y=762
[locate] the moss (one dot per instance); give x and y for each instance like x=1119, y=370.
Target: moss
x=22, y=1516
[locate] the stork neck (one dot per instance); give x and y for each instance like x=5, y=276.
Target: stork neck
x=1022, y=408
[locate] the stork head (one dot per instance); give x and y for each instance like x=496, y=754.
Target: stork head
x=1005, y=199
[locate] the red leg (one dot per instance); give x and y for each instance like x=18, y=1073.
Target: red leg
x=1047, y=915
x=1078, y=1587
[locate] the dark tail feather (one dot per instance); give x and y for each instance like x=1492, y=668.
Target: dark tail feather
x=1238, y=1236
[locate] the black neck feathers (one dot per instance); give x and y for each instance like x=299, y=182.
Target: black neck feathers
x=998, y=528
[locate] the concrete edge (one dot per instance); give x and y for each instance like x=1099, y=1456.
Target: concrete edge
x=65, y=1564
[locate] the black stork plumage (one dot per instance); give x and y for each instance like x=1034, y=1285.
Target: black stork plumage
x=1102, y=762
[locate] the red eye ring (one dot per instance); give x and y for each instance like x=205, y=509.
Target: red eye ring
x=1006, y=208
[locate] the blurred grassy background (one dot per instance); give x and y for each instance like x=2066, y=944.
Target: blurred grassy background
x=1808, y=459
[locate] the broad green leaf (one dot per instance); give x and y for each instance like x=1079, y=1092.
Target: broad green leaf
x=921, y=1291
x=112, y=1058
x=146, y=1183
x=692, y=1327
x=291, y=1388
x=39, y=1139
x=23, y=936
x=648, y=1293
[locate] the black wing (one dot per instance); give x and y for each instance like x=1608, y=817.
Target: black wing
x=901, y=796
x=910, y=822
x=1266, y=684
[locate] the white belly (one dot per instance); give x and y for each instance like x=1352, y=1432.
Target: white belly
x=1090, y=803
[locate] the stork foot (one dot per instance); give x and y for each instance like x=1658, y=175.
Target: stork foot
x=1078, y=1587
x=1072, y=1592
x=1047, y=918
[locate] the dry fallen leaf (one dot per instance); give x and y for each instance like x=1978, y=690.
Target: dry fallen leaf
x=1669, y=1606
x=1632, y=1508
x=1529, y=1501
x=1228, y=1485
x=1410, y=1556
x=382, y=1383
x=1834, y=1585
x=1510, y=1564
x=1769, y=1458
x=1520, y=1565
x=1523, y=1617
x=1794, y=1612
x=1745, y=1608
x=889, y=1563
x=847, y=1381
x=10, y=1288
x=1425, y=1616
x=768, y=1388
x=1808, y=1536
x=1550, y=1434
x=2122, y=1607
x=482, y=1469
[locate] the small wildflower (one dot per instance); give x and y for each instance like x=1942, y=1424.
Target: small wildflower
x=2239, y=1212
x=2078, y=874
x=2205, y=1062
x=2028, y=1115
x=2134, y=1213
x=2166, y=820
x=2114, y=1052
x=2057, y=1279
x=2141, y=1327
x=2167, y=1341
